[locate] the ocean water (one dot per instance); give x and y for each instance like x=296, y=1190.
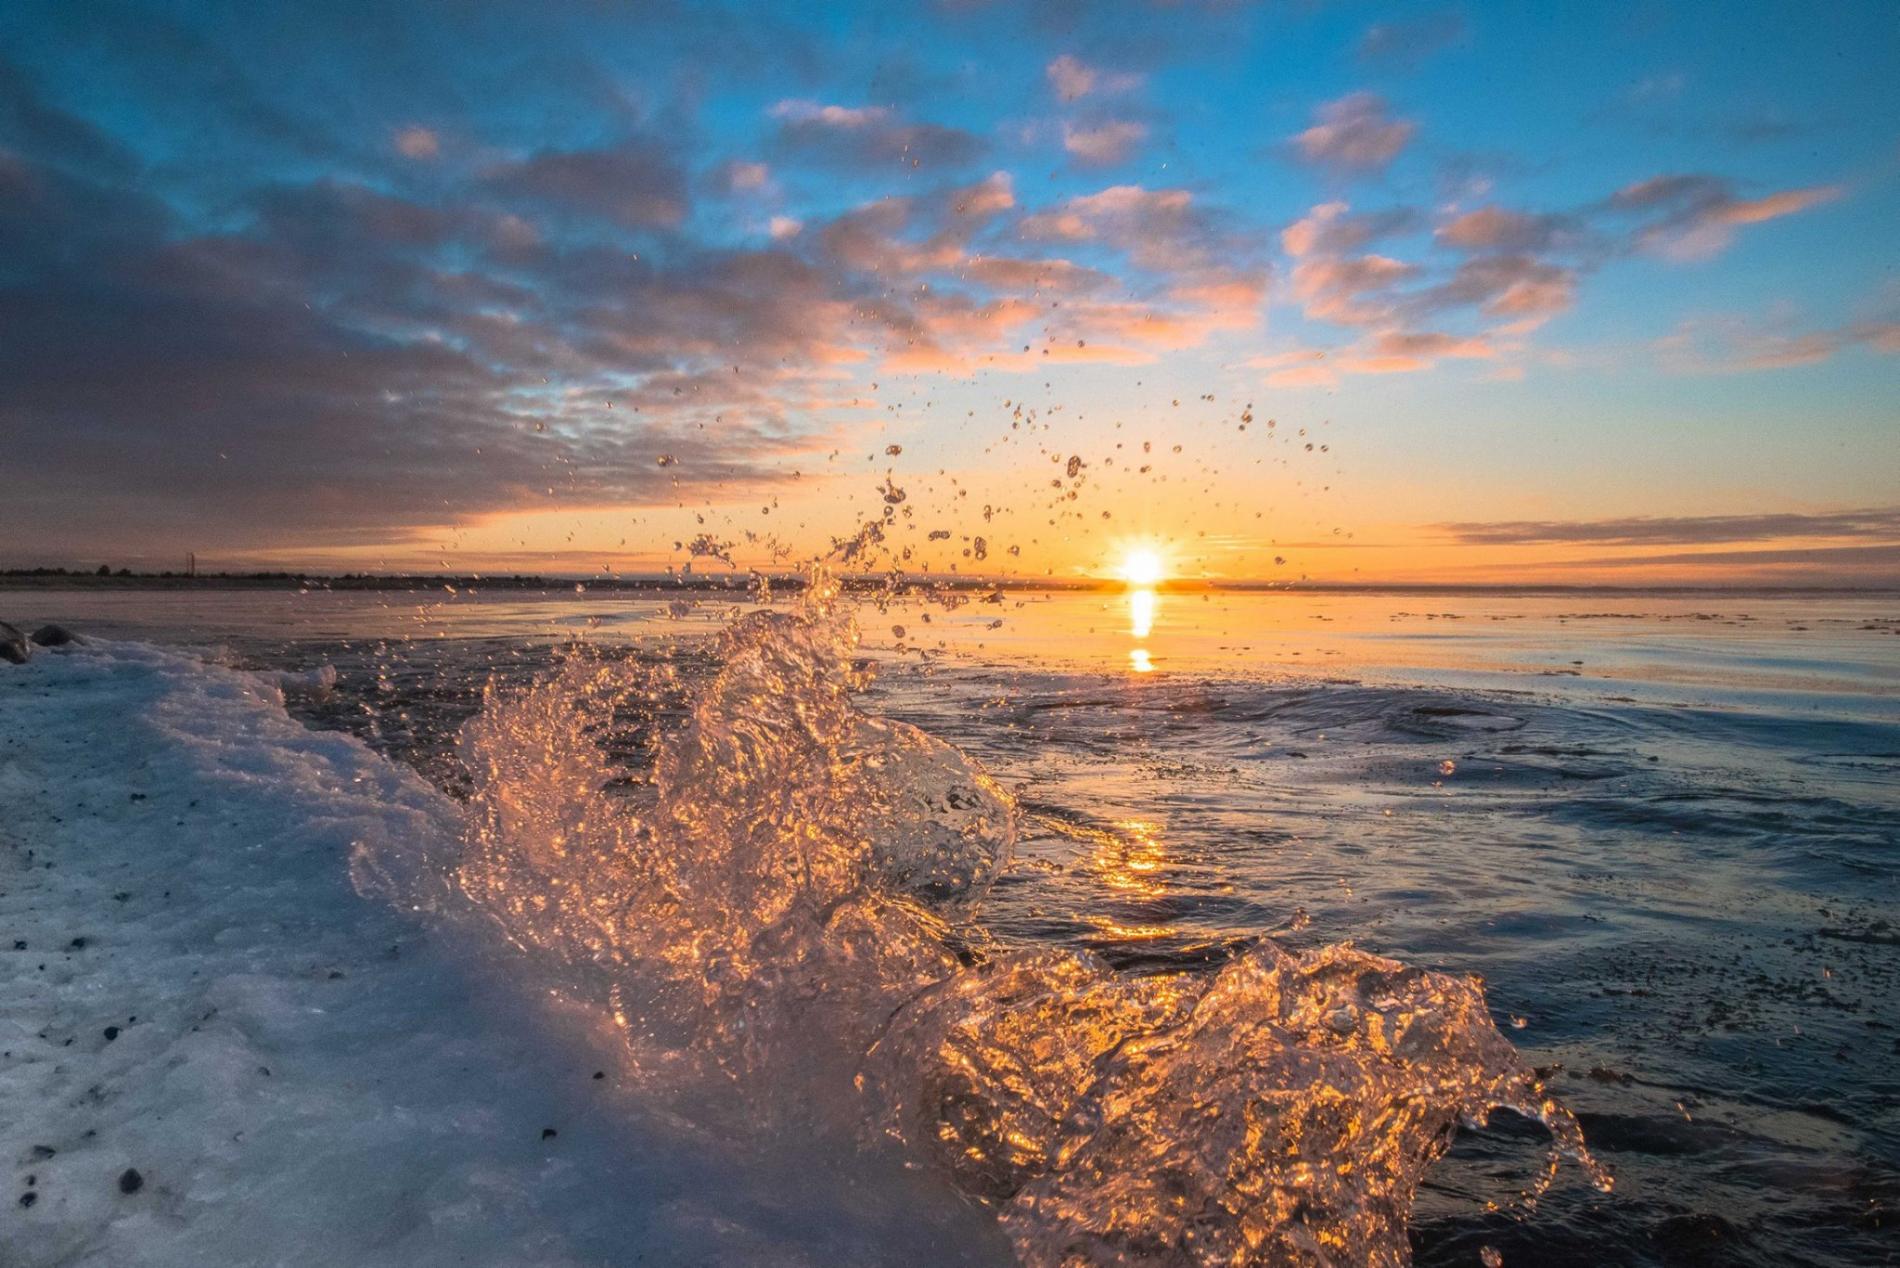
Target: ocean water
x=1660, y=829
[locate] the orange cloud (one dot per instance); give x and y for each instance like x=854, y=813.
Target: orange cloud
x=1388, y=352
x=1774, y=206
x=1699, y=214
x=1332, y=289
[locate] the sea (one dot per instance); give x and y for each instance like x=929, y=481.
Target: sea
x=1658, y=833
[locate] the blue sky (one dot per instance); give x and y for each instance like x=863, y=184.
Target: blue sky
x=372, y=285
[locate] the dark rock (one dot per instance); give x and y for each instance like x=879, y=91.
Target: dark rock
x=54, y=636
x=13, y=645
x=112, y=1032
x=548, y=1133
x=130, y=1181
x=29, y=1198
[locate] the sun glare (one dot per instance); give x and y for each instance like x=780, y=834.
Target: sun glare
x=1142, y=567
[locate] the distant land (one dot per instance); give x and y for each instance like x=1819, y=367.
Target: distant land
x=125, y=579
x=683, y=581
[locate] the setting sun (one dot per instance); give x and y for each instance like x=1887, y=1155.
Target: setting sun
x=1143, y=567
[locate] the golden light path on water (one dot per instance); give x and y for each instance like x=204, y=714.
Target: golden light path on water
x=1143, y=570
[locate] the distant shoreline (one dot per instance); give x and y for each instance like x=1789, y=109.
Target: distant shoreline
x=690, y=583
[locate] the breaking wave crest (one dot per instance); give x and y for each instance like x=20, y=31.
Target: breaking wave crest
x=787, y=908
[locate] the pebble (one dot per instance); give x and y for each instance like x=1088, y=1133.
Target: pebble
x=14, y=647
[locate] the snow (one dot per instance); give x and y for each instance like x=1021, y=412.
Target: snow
x=302, y=1076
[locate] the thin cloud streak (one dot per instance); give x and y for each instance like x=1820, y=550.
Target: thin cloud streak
x=1880, y=522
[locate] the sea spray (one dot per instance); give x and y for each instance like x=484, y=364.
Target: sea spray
x=790, y=905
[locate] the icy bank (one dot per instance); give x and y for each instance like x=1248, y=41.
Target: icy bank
x=191, y=990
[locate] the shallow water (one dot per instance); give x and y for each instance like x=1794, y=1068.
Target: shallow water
x=1661, y=829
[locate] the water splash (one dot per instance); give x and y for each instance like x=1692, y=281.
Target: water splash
x=789, y=902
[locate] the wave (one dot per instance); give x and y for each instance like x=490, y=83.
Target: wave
x=785, y=911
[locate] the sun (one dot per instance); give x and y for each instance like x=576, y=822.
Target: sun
x=1142, y=566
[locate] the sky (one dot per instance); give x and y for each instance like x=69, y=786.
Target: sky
x=1313, y=291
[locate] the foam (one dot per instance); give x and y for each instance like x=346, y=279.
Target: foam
x=301, y=1076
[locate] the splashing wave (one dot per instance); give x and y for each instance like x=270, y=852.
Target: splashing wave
x=788, y=906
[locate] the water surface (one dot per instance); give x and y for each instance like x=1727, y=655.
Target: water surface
x=1662, y=829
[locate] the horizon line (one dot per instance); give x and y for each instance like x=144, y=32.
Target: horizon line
x=50, y=577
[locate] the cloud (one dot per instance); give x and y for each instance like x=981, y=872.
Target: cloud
x=1384, y=352
x=1882, y=523
x=993, y=194
x=1104, y=143
x=745, y=178
x=1655, y=105
x=1037, y=276
x=868, y=136
x=1301, y=367
x=33, y=130
x=1694, y=217
x=1330, y=229
x=334, y=363
x=1500, y=229
x=1812, y=565
x=1350, y=290
x=1355, y=133
x=1516, y=269
x=1406, y=44
x=1186, y=279
x=1160, y=230
x=916, y=235
x=1403, y=306
x=635, y=183
x=1398, y=351
x=1518, y=287
x=418, y=143
x=1073, y=79
x=1728, y=345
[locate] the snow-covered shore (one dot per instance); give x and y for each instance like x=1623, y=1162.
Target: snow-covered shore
x=190, y=989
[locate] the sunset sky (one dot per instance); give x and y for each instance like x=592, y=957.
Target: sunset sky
x=1337, y=291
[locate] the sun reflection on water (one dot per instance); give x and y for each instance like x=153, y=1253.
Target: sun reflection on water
x=1133, y=857
x=1141, y=612
x=1143, y=569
